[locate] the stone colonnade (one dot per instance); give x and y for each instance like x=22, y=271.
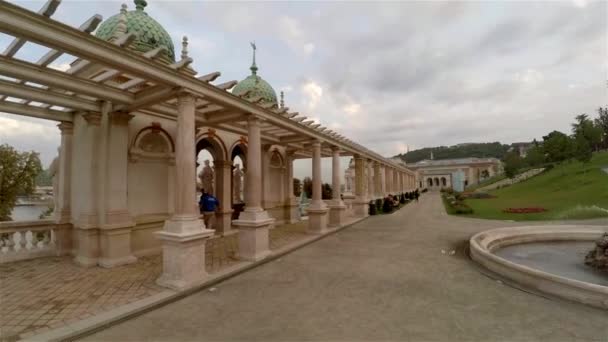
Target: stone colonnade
x=92, y=194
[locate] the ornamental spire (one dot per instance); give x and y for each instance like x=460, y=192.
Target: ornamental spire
x=121, y=27
x=140, y=4
x=184, y=47
x=254, y=68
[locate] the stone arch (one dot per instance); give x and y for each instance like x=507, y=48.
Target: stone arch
x=152, y=143
x=429, y=181
x=211, y=142
x=444, y=182
x=239, y=148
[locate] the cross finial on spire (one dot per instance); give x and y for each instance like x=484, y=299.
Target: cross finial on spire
x=254, y=68
x=184, y=47
x=140, y=4
x=282, y=99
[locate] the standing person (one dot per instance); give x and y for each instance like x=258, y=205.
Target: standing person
x=208, y=205
x=416, y=195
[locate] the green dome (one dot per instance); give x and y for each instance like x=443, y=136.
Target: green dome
x=150, y=34
x=256, y=86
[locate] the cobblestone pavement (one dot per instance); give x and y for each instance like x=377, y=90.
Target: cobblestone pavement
x=41, y=294
x=383, y=279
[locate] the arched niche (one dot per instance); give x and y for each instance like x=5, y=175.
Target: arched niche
x=152, y=144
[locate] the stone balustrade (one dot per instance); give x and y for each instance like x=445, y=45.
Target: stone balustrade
x=25, y=240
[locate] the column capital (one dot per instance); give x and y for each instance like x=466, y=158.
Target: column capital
x=316, y=143
x=92, y=118
x=253, y=119
x=66, y=128
x=335, y=148
x=121, y=118
x=186, y=95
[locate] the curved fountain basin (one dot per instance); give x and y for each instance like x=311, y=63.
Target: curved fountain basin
x=485, y=249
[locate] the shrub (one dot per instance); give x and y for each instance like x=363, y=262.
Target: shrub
x=372, y=208
x=402, y=199
x=387, y=207
x=379, y=204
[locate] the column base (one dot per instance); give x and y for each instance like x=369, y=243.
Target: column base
x=223, y=222
x=87, y=253
x=361, y=208
x=337, y=214
x=115, y=245
x=253, y=227
x=317, y=218
x=183, y=254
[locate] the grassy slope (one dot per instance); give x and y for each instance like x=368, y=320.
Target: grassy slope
x=558, y=190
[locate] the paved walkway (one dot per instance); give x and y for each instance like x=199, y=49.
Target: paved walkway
x=382, y=279
x=46, y=293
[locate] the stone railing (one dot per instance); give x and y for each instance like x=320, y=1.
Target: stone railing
x=24, y=240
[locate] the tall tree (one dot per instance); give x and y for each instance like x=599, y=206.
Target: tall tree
x=307, y=187
x=513, y=163
x=18, y=172
x=297, y=187
x=557, y=146
x=602, y=122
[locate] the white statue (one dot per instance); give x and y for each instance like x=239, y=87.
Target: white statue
x=237, y=181
x=206, y=177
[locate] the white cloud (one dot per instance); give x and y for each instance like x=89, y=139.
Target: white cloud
x=312, y=93
x=291, y=33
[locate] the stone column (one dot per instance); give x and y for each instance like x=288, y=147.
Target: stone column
x=370, y=180
x=223, y=192
x=254, y=221
x=292, y=214
x=62, y=212
x=317, y=211
x=116, y=221
x=360, y=206
x=84, y=188
x=377, y=180
x=337, y=208
x=184, y=234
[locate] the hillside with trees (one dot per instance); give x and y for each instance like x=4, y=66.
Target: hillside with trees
x=479, y=150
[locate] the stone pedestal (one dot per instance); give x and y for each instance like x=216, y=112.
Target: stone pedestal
x=183, y=253
x=115, y=245
x=253, y=227
x=361, y=208
x=223, y=222
x=317, y=218
x=337, y=214
x=88, y=247
x=292, y=211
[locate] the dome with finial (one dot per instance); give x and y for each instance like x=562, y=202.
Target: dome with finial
x=255, y=86
x=150, y=34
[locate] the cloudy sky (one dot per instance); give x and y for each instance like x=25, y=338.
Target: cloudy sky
x=388, y=75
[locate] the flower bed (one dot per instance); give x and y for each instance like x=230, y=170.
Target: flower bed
x=529, y=210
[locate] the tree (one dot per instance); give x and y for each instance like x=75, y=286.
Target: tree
x=586, y=129
x=582, y=149
x=44, y=178
x=297, y=187
x=513, y=163
x=557, y=146
x=307, y=187
x=326, y=191
x=602, y=123
x=535, y=156
x=18, y=172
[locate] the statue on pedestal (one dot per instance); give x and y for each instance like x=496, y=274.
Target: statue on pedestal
x=237, y=181
x=206, y=177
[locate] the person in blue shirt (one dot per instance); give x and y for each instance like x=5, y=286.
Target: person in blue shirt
x=208, y=205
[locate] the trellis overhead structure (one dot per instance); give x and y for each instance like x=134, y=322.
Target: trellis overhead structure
x=125, y=100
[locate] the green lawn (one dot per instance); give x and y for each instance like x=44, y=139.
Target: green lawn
x=571, y=190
